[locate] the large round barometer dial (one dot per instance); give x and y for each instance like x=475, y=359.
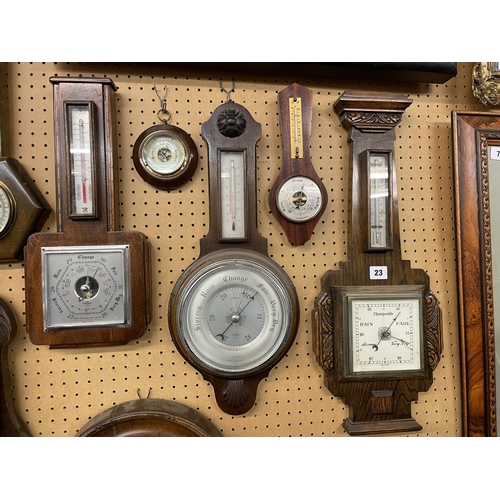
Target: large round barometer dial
x=234, y=313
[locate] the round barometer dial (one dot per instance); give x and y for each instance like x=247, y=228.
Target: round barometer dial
x=299, y=199
x=234, y=314
x=86, y=286
x=165, y=156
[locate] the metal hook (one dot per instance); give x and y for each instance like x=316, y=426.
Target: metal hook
x=228, y=92
x=139, y=393
x=163, y=105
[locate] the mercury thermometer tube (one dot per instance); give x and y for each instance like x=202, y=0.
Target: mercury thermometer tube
x=80, y=159
x=232, y=195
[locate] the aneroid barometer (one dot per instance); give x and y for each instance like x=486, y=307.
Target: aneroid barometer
x=164, y=155
x=233, y=314
x=298, y=197
x=87, y=284
x=377, y=325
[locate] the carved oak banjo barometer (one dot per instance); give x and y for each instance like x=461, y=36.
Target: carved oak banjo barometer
x=298, y=198
x=377, y=332
x=80, y=288
x=233, y=314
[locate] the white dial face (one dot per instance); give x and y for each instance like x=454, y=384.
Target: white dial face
x=379, y=200
x=6, y=210
x=299, y=199
x=386, y=333
x=86, y=287
x=163, y=153
x=234, y=315
x=232, y=185
x=82, y=185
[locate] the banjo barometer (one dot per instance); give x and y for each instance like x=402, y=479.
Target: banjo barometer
x=377, y=324
x=298, y=197
x=233, y=314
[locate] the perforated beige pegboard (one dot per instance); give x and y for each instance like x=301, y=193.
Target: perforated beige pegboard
x=58, y=391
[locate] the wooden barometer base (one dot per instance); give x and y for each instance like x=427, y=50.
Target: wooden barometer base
x=383, y=427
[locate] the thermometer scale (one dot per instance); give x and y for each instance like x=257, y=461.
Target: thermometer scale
x=379, y=200
x=296, y=143
x=81, y=163
x=233, y=225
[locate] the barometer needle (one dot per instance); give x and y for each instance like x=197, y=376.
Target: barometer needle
x=236, y=316
x=383, y=334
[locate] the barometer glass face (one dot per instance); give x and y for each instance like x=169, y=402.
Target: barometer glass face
x=299, y=199
x=384, y=332
x=86, y=287
x=163, y=153
x=234, y=316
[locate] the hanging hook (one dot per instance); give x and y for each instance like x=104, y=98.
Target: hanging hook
x=228, y=92
x=163, y=105
x=139, y=393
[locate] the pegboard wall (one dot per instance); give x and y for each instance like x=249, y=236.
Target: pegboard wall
x=57, y=391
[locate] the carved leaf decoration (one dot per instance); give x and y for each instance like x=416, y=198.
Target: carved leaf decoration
x=236, y=393
x=373, y=121
x=325, y=329
x=434, y=329
x=231, y=123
